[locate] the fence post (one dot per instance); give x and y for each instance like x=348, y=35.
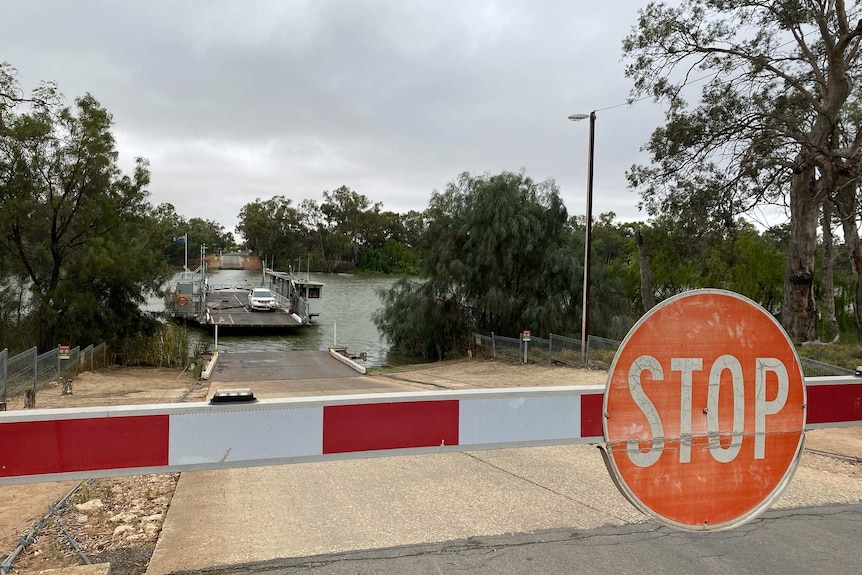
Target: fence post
x=550, y=348
x=35, y=369
x=4, y=373
x=493, y=346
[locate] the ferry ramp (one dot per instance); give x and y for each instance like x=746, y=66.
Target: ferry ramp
x=296, y=372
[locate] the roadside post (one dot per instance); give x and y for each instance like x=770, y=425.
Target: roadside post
x=525, y=337
x=704, y=411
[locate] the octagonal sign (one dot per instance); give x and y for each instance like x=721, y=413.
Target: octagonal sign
x=704, y=411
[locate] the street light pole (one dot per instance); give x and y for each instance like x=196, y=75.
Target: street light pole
x=588, y=239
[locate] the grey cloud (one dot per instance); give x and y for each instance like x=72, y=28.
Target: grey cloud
x=244, y=100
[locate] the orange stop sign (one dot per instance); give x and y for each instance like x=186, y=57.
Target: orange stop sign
x=704, y=411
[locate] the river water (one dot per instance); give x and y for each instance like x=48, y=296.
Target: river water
x=347, y=302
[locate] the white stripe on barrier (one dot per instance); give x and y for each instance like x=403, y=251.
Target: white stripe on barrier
x=519, y=419
x=230, y=436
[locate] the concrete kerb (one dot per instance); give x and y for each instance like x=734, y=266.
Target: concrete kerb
x=205, y=374
x=347, y=361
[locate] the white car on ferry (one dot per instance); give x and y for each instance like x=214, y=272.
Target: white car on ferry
x=262, y=299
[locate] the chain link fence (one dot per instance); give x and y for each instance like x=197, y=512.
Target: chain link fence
x=555, y=349
x=30, y=370
x=814, y=368
x=600, y=352
x=566, y=350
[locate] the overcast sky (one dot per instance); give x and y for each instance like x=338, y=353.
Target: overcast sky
x=237, y=100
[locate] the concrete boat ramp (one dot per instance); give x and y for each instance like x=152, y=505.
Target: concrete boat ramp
x=295, y=373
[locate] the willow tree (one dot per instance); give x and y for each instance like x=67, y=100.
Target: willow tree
x=771, y=121
x=498, y=257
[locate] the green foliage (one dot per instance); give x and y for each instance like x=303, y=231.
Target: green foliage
x=167, y=347
x=498, y=257
x=77, y=248
x=392, y=258
x=847, y=355
x=614, y=299
x=419, y=324
x=775, y=123
x=344, y=231
x=273, y=229
x=345, y=211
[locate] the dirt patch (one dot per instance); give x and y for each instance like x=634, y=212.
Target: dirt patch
x=480, y=373
x=138, y=503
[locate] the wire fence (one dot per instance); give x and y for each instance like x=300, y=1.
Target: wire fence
x=555, y=349
x=600, y=352
x=30, y=370
x=814, y=368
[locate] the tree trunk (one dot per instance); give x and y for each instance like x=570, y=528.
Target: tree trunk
x=45, y=339
x=847, y=204
x=647, y=292
x=798, y=313
x=827, y=283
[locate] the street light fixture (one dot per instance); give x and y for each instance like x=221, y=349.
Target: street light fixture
x=585, y=309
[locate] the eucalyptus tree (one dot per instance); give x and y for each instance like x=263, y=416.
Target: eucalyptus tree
x=327, y=245
x=772, y=122
x=75, y=229
x=209, y=233
x=345, y=212
x=273, y=228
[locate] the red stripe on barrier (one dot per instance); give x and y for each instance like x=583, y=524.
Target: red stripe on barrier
x=591, y=415
x=834, y=403
x=371, y=427
x=68, y=445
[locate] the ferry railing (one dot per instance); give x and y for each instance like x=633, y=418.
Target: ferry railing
x=301, y=308
x=281, y=300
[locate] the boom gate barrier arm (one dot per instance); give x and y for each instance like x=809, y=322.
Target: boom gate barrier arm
x=80, y=443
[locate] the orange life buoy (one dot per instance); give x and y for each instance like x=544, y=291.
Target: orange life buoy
x=182, y=300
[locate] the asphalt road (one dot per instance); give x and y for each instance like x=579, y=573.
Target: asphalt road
x=824, y=539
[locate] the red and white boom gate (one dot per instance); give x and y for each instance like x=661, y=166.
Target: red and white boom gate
x=78, y=443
